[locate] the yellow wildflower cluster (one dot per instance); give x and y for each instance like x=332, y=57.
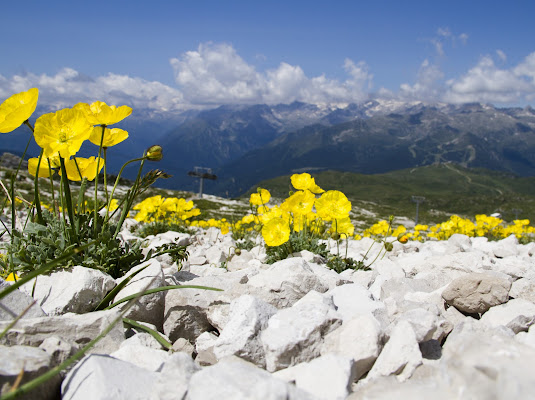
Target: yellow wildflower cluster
x=484, y=225
x=302, y=211
x=171, y=209
x=222, y=224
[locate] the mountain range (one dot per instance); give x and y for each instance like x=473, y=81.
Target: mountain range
x=247, y=144
x=244, y=144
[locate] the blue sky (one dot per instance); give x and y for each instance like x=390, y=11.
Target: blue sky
x=176, y=55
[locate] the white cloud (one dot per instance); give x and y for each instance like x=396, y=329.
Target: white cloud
x=445, y=36
x=216, y=74
x=501, y=55
x=427, y=86
x=489, y=84
x=69, y=87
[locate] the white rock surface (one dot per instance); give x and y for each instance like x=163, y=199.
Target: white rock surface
x=296, y=330
x=99, y=377
x=78, y=290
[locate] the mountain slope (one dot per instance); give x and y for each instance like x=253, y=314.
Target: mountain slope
x=447, y=188
x=473, y=136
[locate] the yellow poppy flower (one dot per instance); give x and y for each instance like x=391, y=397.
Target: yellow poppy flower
x=300, y=202
x=99, y=113
x=111, y=136
x=44, y=171
x=260, y=198
x=305, y=182
x=276, y=232
x=342, y=226
x=17, y=109
x=62, y=132
x=333, y=205
x=87, y=168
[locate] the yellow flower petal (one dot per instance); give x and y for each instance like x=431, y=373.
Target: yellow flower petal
x=260, y=198
x=44, y=171
x=79, y=168
x=17, y=109
x=276, y=232
x=111, y=136
x=62, y=132
x=99, y=113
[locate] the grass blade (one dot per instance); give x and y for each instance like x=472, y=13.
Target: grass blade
x=156, y=335
x=161, y=289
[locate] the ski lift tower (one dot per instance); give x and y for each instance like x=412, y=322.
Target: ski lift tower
x=202, y=173
x=417, y=200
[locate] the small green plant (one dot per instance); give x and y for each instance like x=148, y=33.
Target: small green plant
x=70, y=222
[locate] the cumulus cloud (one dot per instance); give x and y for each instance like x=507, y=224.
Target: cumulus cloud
x=487, y=83
x=69, y=87
x=427, y=86
x=216, y=74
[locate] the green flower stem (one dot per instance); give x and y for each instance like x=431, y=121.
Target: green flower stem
x=105, y=174
x=36, y=190
x=95, y=228
x=52, y=189
x=131, y=195
x=68, y=200
x=117, y=182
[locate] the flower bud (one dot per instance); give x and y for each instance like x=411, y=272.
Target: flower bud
x=154, y=153
x=402, y=238
x=335, y=236
x=237, y=252
x=389, y=246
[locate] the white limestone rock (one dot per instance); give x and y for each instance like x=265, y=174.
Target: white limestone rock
x=248, y=316
x=506, y=247
x=426, y=325
x=523, y=288
x=294, y=334
x=400, y=356
x=12, y=305
x=328, y=377
x=78, y=290
x=34, y=362
x=485, y=362
x=476, y=293
x=174, y=377
x=99, y=377
x=286, y=281
x=78, y=329
x=359, y=338
x=142, y=356
x=148, y=308
x=516, y=314
x=352, y=300
x=233, y=378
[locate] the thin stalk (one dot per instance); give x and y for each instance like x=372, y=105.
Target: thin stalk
x=36, y=190
x=95, y=228
x=105, y=173
x=132, y=193
x=117, y=182
x=68, y=200
x=14, y=322
x=52, y=188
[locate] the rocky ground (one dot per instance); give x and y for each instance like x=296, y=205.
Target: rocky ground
x=441, y=320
